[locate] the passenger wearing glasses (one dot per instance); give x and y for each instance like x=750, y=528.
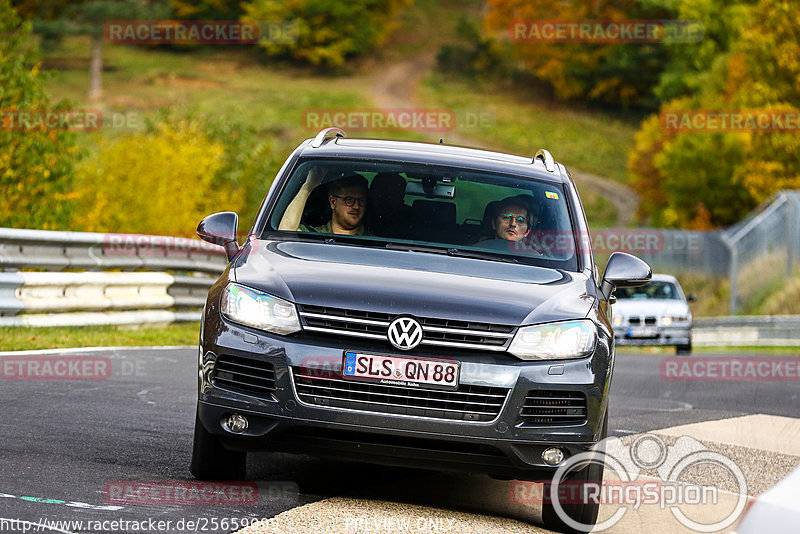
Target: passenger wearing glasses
x=347, y=199
x=513, y=219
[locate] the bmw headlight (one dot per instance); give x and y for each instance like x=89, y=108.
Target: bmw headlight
x=554, y=341
x=669, y=319
x=259, y=310
x=617, y=320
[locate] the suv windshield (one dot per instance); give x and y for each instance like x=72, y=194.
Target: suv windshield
x=653, y=290
x=430, y=208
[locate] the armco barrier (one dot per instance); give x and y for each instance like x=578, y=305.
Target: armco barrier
x=76, y=287
x=89, y=278
x=752, y=330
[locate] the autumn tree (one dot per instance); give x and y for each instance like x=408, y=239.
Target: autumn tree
x=617, y=73
x=161, y=182
x=701, y=179
x=207, y=9
x=325, y=33
x=36, y=163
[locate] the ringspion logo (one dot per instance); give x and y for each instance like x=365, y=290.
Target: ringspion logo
x=627, y=484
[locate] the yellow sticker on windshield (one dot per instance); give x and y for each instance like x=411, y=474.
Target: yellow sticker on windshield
x=551, y=194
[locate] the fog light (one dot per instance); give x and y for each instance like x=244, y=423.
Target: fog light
x=553, y=456
x=236, y=423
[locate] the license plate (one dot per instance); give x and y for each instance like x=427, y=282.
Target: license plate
x=643, y=331
x=399, y=371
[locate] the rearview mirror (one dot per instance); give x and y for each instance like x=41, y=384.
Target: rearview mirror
x=220, y=229
x=624, y=270
x=430, y=189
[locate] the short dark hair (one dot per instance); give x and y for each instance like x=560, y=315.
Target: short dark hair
x=337, y=187
x=523, y=201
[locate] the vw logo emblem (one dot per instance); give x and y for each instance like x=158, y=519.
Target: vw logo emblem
x=404, y=333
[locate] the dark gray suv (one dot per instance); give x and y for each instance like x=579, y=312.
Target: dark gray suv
x=410, y=304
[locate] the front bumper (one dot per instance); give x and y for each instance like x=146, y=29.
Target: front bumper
x=507, y=445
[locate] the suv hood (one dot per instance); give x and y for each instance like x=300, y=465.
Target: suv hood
x=416, y=283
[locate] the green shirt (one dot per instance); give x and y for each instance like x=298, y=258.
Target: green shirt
x=326, y=229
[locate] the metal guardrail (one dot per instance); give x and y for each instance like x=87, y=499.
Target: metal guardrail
x=71, y=285
x=747, y=330
x=95, y=278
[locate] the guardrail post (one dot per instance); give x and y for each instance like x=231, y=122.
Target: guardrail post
x=733, y=273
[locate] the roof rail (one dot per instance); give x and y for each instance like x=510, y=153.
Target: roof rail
x=327, y=133
x=547, y=159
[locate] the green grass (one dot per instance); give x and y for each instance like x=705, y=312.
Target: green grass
x=224, y=84
x=425, y=25
x=28, y=338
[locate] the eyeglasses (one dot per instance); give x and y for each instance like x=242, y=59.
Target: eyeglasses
x=350, y=201
x=519, y=219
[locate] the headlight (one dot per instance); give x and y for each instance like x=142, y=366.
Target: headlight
x=571, y=339
x=617, y=320
x=669, y=319
x=259, y=310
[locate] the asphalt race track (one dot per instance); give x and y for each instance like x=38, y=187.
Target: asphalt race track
x=72, y=449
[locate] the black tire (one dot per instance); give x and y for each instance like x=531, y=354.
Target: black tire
x=582, y=512
x=684, y=350
x=212, y=461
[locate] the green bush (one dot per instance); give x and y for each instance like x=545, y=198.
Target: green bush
x=325, y=33
x=158, y=182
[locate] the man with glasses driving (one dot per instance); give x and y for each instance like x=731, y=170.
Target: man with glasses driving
x=348, y=202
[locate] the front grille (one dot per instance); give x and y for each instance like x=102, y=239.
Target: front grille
x=244, y=374
x=436, y=332
x=638, y=320
x=467, y=403
x=547, y=407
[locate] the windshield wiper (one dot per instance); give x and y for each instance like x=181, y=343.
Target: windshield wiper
x=455, y=252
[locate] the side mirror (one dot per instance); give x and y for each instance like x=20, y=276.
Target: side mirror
x=220, y=229
x=690, y=297
x=624, y=270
